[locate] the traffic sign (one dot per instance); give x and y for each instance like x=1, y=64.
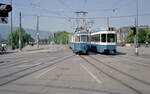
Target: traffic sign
x=3, y=20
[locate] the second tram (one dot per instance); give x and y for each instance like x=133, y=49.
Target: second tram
x=103, y=41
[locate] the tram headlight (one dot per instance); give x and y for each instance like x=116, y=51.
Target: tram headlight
x=83, y=46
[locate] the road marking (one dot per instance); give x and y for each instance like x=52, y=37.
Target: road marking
x=44, y=72
x=93, y=76
x=27, y=65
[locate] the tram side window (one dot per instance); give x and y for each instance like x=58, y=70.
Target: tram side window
x=77, y=39
x=111, y=38
x=83, y=38
x=96, y=38
x=88, y=38
x=92, y=38
x=103, y=37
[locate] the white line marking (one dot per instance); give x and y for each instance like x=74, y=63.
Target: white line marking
x=44, y=72
x=27, y=65
x=90, y=73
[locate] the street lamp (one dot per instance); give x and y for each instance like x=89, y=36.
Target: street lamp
x=11, y=27
x=137, y=52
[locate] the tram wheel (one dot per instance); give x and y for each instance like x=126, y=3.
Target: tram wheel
x=87, y=53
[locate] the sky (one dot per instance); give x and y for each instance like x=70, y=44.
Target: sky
x=52, y=11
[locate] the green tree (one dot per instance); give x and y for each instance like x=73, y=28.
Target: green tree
x=27, y=38
x=14, y=37
x=61, y=37
x=147, y=35
x=44, y=41
x=143, y=36
x=130, y=37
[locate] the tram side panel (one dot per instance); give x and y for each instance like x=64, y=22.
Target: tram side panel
x=80, y=47
x=71, y=41
x=78, y=42
x=103, y=42
x=105, y=48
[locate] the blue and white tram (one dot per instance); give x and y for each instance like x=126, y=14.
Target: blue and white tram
x=103, y=41
x=78, y=42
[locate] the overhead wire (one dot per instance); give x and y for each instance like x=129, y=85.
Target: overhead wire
x=65, y=5
x=38, y=7
x=35, y=6
x=47, y=16
x=84, y=4
x=113, y=9
x=112, y=17
x=46, y=10
x=122, y=5
x=116, y=3
x=69, y=18
x=104, y=17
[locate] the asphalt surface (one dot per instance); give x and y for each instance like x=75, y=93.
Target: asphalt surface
x=55, y=69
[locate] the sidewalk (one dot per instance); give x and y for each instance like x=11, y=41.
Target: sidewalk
x=42, y=48
x=26, y=48
x=143, y=52
x=31, y=48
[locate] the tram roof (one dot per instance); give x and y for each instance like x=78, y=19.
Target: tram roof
x=80, y=33
x=102, y=31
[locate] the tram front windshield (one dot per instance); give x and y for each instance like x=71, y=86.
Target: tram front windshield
x=110, y=38
x=83, y=38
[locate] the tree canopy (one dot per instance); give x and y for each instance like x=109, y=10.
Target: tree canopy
x=44, y=41
x=26, y=38
x=61, y=37
x=130, y=37
x=143, y=36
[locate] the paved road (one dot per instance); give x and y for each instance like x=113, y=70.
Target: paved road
x=56, y=70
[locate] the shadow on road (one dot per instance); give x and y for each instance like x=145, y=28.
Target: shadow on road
x=120, y=53
x=4, y=53
x=117, y=53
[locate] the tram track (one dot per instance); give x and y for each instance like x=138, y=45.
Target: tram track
x=114, y=77
x=121, y=72
x=22, y=73
x=27, y=57
x=19, y=62
x=128, y=59
x=16, y=56
x=136, y=60
x=25, y=61
x=19, y=56
x=131, y=57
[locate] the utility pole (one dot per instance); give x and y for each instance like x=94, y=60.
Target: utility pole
x=137, y=14
x=77, y=19
x=20, y=33
x=135, y=35
x=37, y=32
x=11, y=27
x=108, y=22
x=83, y=17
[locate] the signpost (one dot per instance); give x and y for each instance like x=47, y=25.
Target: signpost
x=4, y=10
x=4, y=20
